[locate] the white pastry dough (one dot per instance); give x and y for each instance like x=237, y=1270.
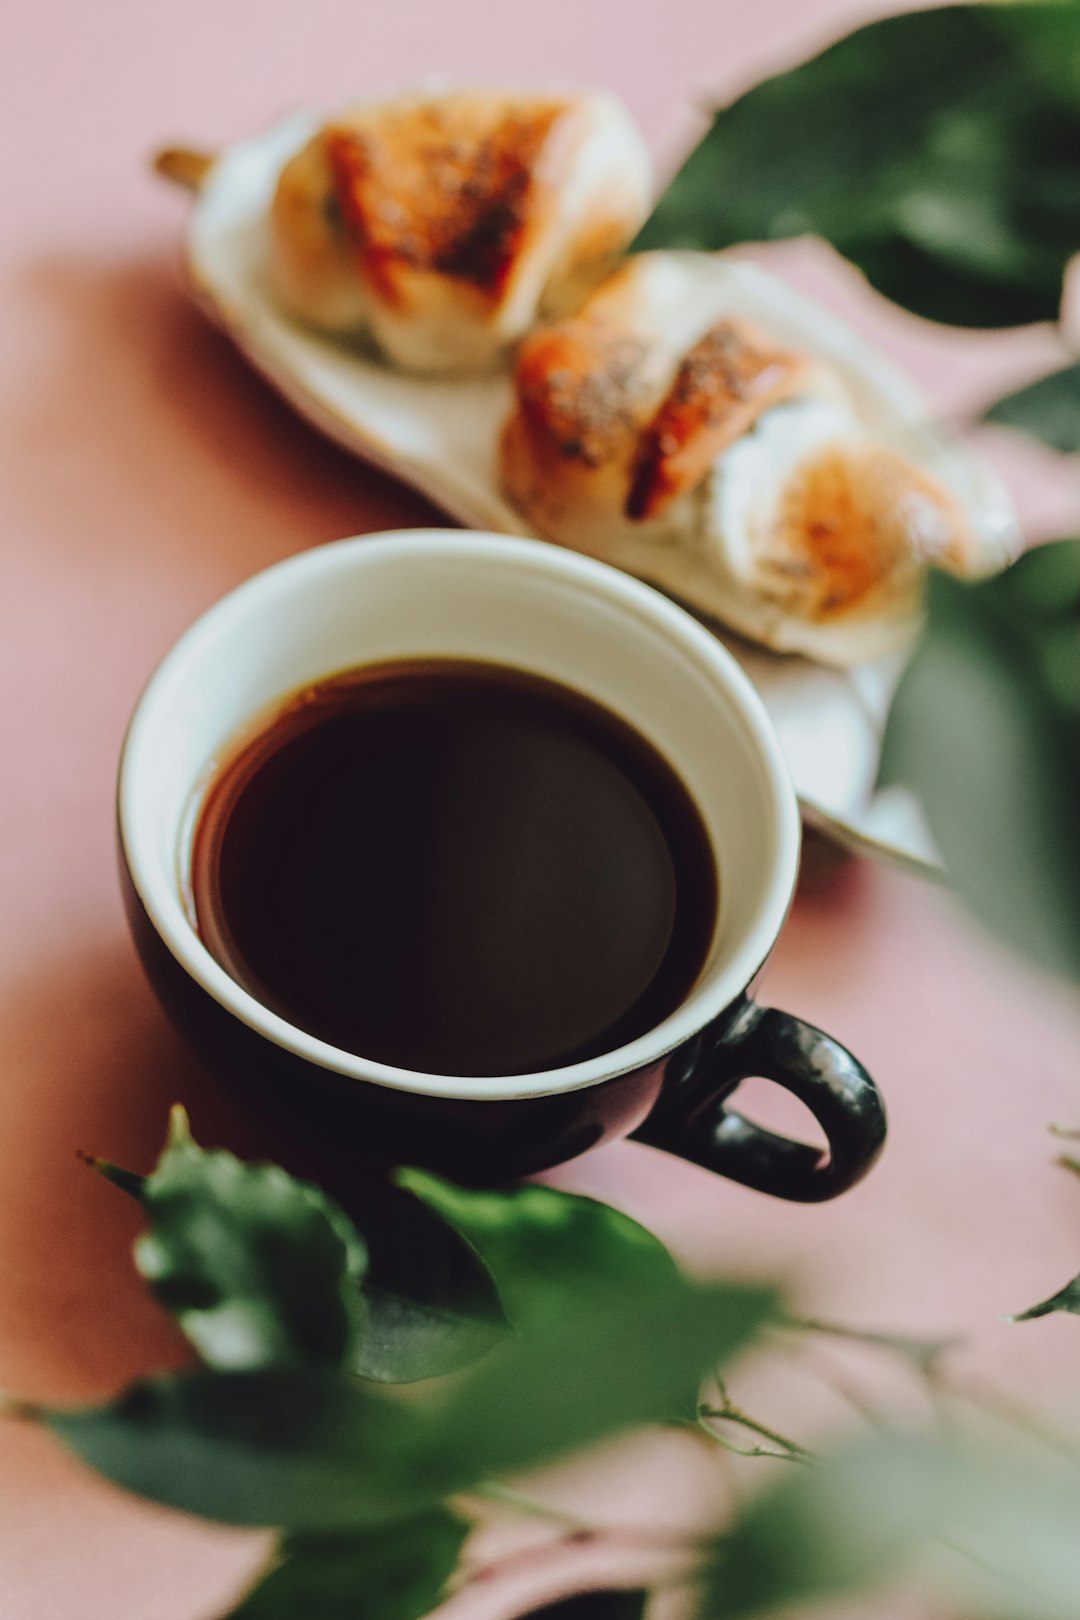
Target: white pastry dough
x=444, y=223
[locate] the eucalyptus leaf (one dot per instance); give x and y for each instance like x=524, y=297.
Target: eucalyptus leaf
x=985, y=727
x=936, y=150
x=259, y=1269
x=1066, y=1299
x=1048, y=409
x=548, y=1251
x=302, y=1450
x=398, y=1572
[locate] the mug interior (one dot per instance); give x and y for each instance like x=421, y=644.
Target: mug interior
x=450, y=594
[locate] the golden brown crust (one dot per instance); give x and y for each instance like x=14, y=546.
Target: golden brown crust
x=443, y=224
x=584, y=389
x=581, y=399
x=855, y=525
x=449, y=186
x=722, y=385
x=581, y=387
x=662, y=431
x=599, y=392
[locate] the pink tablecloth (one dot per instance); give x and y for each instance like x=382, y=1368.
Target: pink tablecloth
x=143, y=471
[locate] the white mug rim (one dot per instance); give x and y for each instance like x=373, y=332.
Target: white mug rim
x=707, y=1000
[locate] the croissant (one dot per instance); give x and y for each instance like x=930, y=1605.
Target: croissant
x=443, y=224
x=661, y=430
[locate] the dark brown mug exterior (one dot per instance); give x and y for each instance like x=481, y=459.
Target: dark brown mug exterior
x=676, y=1103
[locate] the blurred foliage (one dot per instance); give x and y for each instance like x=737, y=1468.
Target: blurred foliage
x=547, y=1251
x=937, y=151
x=1048, y=409
x=258, y=1269
x=870, y=1509
x=601, y=1333
x=395, y=1573
x=238, y=1252
x=985, y=727
x=604, y=1334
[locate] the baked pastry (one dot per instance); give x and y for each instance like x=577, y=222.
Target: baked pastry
x=444, y=223
x=662, y=430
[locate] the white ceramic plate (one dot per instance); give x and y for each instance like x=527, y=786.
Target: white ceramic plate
x=440, y=436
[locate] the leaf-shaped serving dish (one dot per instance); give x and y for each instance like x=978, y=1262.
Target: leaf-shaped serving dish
x=440, y=436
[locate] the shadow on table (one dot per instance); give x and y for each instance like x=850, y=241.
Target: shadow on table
x=92, y=1066
x=136, y=399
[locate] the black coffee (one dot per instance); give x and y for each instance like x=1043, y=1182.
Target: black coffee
x=456, y=868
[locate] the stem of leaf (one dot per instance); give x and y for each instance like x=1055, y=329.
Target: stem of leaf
x=787, y=1450
x=924, y=1353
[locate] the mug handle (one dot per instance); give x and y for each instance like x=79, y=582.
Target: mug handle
x=693, y=1122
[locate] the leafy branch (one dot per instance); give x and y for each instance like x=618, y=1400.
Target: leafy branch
x=1048, y=410
x=280, y=1426
x=370, y=1493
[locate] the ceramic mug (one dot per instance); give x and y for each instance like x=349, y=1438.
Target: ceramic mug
x=515, y=602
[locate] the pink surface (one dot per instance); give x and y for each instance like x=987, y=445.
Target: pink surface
x=144, y=471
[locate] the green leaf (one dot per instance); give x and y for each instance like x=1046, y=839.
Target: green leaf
x=985, y=727
x=822, y=1533
x=312, y=1451
x=854, y=1521
x=616, y=1364
x=432, y=1304
x=398, y=1572
x=1066, y=1299
x=936, y=151
x=128, y=1181
x=1048, y=409
x=548, y=1251
x=298, y=1449
x=429, y=1305
x=259, y=1269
